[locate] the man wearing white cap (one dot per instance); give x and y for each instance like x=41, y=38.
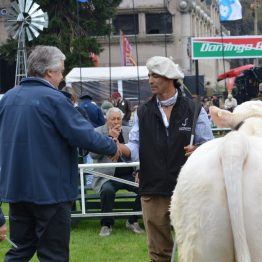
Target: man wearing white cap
x=160, y=137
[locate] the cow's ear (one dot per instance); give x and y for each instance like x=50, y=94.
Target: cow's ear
x=222, y=118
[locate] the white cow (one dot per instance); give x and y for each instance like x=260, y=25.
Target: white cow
x=216, y=208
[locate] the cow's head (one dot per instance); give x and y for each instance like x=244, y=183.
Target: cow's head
x=223, y=118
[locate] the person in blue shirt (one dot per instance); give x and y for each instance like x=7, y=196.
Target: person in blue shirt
x=160, y=139
x=40, y=131
x=94, y=112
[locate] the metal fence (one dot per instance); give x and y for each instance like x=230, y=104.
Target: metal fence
x=90, y=169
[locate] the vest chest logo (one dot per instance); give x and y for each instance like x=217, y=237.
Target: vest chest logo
x=184, y=126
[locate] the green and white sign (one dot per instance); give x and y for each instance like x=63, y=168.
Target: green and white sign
x=226, y=47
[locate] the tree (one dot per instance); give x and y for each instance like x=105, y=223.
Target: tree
x=76, y=38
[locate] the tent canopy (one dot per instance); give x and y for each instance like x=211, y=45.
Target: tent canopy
x=87, y=74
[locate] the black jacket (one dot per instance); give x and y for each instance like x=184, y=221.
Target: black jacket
x=161, y=155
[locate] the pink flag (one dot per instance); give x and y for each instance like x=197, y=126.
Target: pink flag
x=127, y=58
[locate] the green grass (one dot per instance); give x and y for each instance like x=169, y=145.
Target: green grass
x=87, y=246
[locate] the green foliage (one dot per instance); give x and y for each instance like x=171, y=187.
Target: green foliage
x=73, y=34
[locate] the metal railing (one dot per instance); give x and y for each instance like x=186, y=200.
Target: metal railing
x=89, y=168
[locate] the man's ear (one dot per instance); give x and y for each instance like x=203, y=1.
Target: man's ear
x=48, y=73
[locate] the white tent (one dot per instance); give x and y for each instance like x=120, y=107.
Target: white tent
x=87, y=74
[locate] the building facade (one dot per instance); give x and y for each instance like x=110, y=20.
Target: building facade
x=3, y=9
x=158, y=27
x=165, y=28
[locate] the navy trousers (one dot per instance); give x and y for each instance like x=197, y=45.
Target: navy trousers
x=44, y=229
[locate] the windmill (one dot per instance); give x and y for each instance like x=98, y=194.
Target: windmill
x=24, y=20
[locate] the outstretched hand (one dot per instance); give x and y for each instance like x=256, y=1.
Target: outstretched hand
x=118, y=153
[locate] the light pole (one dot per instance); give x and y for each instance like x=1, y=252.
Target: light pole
x=254, y=7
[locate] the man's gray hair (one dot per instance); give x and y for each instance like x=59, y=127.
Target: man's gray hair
x=114, y=110
x=44, y=58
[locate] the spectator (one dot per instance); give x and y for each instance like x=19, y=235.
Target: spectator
x=161, y=134
x=230, y=103
x=3, y=229
x=106, y=105
x=259, y=94
x=215, y=101
x=70, y=94
x=122, y=104
x=94, y=112
x=38, y=158
x=206, y=104
x=96, y=117
x=108, y=188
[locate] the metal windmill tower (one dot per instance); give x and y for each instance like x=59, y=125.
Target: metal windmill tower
x=24, y=20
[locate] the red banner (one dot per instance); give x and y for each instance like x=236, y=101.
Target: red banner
x=127, y=58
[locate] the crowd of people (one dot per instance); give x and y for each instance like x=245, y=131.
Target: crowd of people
x=47, y=128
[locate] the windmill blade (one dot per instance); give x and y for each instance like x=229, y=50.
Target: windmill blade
x=20, y=17
x=15, y=7
x=22, y=5
x=43, y=24
x=30, y=36
x=46, y=20
x=33, y=30
x=39, y=12
x=28, y=5
x=11, y=21
x=12, y=30
x=10, y=24
x=40, y=19
x=18, y=33
x=34, y=8
x=38, y=26
x=11, y=13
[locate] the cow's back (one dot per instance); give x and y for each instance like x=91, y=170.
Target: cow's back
x=199, y=211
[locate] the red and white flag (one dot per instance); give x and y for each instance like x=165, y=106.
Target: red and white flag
x=127, y=58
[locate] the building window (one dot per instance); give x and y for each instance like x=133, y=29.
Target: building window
x=159, y=23
x=127, y=23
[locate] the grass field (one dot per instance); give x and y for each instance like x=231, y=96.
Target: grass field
x=87, y=246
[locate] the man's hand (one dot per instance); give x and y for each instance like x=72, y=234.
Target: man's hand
x=117, y=154
x=114, y=131
x=190, y=149
x=3, y=232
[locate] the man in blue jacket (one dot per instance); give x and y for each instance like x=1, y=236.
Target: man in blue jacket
x=40, y=131
x=2, y=226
